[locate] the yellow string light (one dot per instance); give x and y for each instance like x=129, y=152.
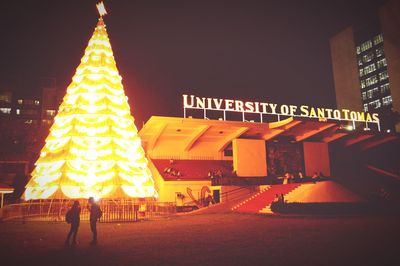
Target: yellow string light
x=93, y=146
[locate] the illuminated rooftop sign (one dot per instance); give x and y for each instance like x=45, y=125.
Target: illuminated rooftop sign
x=279, y=110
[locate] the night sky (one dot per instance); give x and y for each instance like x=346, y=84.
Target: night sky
x=271, y=51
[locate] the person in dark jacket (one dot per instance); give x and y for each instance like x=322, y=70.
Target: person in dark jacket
x=95, y=214
x=73, y=217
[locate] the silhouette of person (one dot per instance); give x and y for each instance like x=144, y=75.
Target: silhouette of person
x=74, y=219
x=95, y=214
x=315, y=177
x=301, y=176
x=277, y=198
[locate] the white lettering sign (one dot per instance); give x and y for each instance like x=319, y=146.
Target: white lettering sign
x=193, y=102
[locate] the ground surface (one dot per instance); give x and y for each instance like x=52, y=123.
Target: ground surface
x=209, y=239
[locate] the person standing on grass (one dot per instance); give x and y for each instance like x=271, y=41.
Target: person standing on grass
x=95, y=214
x=73, y=217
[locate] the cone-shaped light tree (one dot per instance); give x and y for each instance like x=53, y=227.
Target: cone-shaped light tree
x=93, y=148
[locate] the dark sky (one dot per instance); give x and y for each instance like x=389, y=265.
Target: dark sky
x=272, y=51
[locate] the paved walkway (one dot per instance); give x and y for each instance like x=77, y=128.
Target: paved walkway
x=209, y=239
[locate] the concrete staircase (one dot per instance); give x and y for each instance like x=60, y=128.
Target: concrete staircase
x=267, y=209
x=238, y=207
x=261, y=202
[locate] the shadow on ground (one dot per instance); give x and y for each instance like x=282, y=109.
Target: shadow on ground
x=209, y=239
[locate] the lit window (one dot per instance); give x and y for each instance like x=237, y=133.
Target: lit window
x=358, y=49
x=379, y=51
x=51, y=112
x=370, y=68
x=381, y=63
x=29, y=121
x=385, y=88
x=365, y=107
x=46, y=121
x=370, y=94
x=27, y=112
x=362, y=83
x=366, y=45
x=5, y=110
x=375, y=104
x=28, y=102
x=5, y=98
x=387, y=100
x=383, y=75
x=368, y=57
x=361, y=72
x=371, y=80
x=364, y=95
x=378, y=39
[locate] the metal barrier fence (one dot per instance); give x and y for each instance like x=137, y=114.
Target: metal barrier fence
x=113, y=210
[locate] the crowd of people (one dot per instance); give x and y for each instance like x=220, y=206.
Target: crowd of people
x=172, y=172
x=215, y=176
x=289, y=178
x=279, y=199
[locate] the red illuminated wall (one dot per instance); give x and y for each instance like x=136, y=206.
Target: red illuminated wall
x=316, y=158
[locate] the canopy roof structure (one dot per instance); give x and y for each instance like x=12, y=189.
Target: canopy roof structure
x=207, y=139
x=6, y=189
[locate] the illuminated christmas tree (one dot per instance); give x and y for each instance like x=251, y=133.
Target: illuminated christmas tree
x=93, y=148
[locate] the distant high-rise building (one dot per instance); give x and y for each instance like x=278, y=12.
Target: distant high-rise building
x=366, y=65
x=30, y=108
x=51, y=98
x=5, y=103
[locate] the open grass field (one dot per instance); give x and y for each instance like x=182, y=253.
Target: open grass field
x=209, y=239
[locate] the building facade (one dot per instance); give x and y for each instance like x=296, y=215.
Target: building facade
x=366, y=65
x=30, y=109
